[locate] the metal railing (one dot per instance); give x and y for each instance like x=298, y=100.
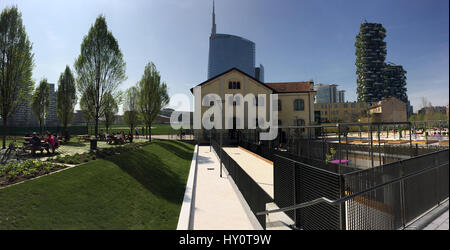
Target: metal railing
x=410, y=190
x=348, y=197
x=254, y=195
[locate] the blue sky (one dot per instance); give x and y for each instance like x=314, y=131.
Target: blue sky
x=295, y=40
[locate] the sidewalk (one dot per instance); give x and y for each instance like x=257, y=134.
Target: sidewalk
x=217, y=206
x=260, y=170
x=440, y=223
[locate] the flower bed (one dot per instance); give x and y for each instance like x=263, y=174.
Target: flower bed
x=74, y=159
x=15, y=172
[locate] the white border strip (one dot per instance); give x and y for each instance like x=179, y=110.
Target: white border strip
x=185, y=220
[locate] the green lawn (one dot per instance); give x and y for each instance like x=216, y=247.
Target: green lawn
x=137, y=190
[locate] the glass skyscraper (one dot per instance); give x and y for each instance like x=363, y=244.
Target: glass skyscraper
x=229, y=51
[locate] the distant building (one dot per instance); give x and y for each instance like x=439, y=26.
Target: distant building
x=23, y=115
x=328, y=93
x=78, y=118
x=259, y=73
x=341, y=96
x=433, y=110
x=389, y=109
x=395, y=82
x=370, y=57
x=341, y=112
x=230, y=51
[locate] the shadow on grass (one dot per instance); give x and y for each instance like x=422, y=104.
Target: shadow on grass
x=181, y=144
x=152, y=173
x=173, y=146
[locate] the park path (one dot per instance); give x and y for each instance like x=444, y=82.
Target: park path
x=260, y=169
x=217, y=205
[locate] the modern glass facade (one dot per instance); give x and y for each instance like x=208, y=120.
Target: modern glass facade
x=229, y=51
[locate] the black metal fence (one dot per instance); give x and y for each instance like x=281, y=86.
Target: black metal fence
x=394, y=205
x=254, y=195
x=296, y=182
x=387, y=197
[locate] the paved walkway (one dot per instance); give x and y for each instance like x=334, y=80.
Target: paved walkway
x=260, y=170
x=217, y=206
x=440, y=223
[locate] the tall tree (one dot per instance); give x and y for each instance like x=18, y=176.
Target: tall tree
x=131, y=108
x=40, y=102
x=85, y=104
x=16, y=64
x=111, y=108
x=153, y=95
x=66, y=98
x=100, y=67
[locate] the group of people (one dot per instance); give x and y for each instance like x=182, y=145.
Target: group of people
x=116, y=138
x=50, y=143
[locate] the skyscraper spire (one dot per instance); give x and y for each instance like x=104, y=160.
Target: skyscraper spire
x=213, y=29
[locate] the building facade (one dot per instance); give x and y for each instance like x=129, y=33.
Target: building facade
x=370, y=57
x=23, y=115
x=295, y=105
x=328, y=93
x=389, y=109
x=395, y=82
x=341, y=112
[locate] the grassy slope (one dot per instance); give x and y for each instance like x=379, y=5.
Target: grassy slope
x=137, y=190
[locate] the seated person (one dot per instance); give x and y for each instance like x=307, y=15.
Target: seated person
x=56, y=141
x=35, y=142
x=49, y=143
x=112, y=138
x=130, y=137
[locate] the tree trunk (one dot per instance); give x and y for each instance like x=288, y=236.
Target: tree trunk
x=4, y=133
x=150, y=133
x=96, y=127
x=40, y=127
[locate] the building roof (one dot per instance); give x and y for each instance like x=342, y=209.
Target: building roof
x=240, y=71
x=276, y=87
x=291, y=87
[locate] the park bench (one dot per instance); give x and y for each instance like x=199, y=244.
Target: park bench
x=84, y=138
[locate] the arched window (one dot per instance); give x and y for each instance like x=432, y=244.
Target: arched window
x=299, y=105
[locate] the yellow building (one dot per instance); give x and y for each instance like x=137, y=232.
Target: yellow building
x=296, y=99
x=341, y=112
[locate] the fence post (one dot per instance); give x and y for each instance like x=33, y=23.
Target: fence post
x=410, y=141
x=339, y=147
x=295, y=191
x=402, y=196
x=371, y=145
x=220, y=155
x=342, y=214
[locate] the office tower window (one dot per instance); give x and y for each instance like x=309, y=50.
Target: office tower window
x=299, y=105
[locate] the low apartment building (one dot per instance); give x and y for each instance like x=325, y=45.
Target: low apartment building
x=341, y=112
